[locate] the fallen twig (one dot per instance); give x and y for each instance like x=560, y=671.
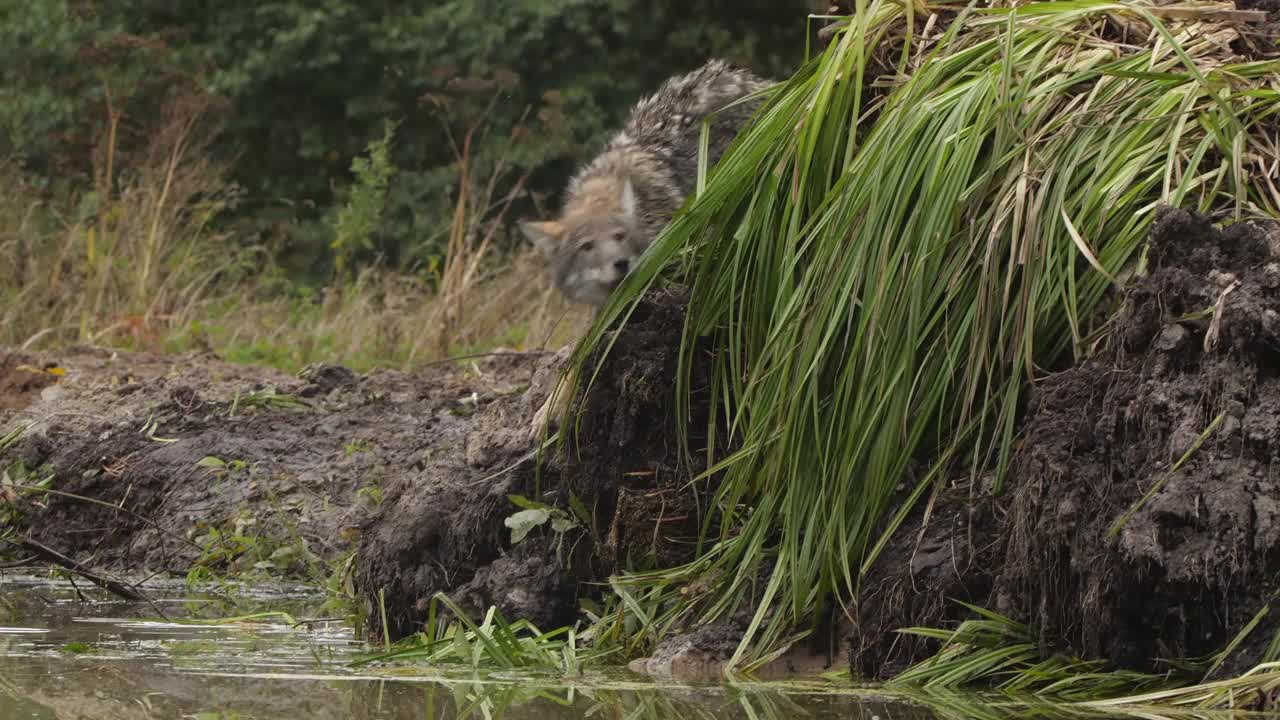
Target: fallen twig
x=48, y=554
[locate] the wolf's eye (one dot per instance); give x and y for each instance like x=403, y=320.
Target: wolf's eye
x=618, y=235
x=587, y=246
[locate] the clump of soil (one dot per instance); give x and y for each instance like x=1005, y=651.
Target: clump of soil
x=917, y=580
x=443, y=530
x=1196, y=363
x=1194, y=372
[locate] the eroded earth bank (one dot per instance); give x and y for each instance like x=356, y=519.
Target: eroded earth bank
x=1141, y=518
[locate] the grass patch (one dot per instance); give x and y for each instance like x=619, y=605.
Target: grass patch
x=139, y=262
x=994, y=653
x=911, y=230
x=493, y=643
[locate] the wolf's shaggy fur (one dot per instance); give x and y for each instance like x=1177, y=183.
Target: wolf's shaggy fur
x=619, y=202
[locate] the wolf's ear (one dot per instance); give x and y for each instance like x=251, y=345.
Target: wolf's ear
x=544, y=235
x=628, y=199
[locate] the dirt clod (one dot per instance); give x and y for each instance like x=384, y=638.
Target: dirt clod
x=443, y=529
x=1184, y=406
x=1194, y=376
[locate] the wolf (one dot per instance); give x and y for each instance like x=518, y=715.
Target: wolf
x=618, y=203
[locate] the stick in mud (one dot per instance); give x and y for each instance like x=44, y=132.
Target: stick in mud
x=124, y=590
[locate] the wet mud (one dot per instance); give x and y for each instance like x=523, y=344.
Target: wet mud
x=163, y=463
x=168, y=464
x=1141, y=518
x=619, y=480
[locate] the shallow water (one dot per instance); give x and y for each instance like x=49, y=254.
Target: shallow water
x=79, y=653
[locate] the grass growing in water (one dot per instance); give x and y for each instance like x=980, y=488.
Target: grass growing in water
x=493, y=643
x=993, y=652
x=884, y=265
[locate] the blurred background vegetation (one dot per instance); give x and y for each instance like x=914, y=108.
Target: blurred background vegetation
x=344, y=168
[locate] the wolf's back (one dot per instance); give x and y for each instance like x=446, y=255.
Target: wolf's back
x=668, y=124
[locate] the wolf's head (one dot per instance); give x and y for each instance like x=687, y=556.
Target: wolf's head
x=594, y=243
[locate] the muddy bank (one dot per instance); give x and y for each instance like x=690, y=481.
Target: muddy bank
x=165, y=463
x=1184, y=406
x=416, y=473
x=617, y=484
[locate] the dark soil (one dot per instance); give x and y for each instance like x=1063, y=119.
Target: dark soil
x=917, y=581
x=1259, y=40
x=1198, y=559
x=413, y=471
x=442, y=529
x=124, y=436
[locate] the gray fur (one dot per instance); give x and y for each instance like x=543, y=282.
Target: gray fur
x=618, y=203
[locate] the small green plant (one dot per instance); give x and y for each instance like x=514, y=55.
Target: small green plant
x=493, y=643
x=13, y=435
x=220, y=548
x=534, y=514
x=220, y=468
x=267, y=398
x=340, y=591
x=20, y=485
x=189, y=648
x=372, y=493
x=359, y=445
x=360, y=219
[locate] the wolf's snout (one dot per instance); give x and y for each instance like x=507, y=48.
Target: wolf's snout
x=622, y=266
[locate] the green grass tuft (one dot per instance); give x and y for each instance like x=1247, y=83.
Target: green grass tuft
x=910, y=230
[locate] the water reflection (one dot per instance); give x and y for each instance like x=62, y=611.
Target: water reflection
x=82, y=657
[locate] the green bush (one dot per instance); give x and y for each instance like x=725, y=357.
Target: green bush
x=537, y=83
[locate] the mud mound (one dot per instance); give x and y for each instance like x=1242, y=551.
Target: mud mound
x=444, y=530
x=441, y=523
x=624, y=457
x=1195, y=375
x=166, y=463
x=1193, y=371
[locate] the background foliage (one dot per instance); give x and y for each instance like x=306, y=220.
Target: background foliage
x=306, y=85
